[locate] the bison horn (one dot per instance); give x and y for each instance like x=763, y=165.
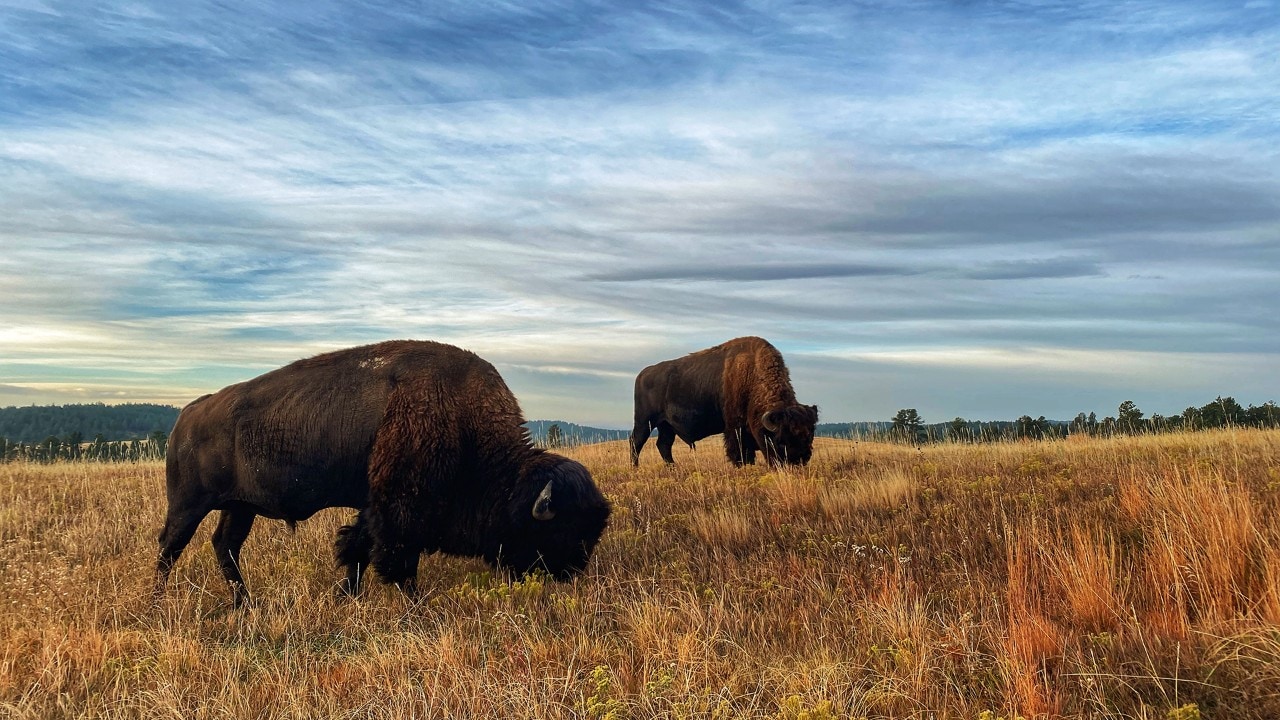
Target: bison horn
x=767, y=423
x=542, y=506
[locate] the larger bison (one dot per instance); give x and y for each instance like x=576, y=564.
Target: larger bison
x=740, y=388
x=425, y=438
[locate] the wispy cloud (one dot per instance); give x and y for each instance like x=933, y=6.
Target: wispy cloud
x=575, y=191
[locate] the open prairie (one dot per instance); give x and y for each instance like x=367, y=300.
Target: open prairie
x=1131, y=577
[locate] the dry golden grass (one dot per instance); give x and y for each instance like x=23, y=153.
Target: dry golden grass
x=1099, y=578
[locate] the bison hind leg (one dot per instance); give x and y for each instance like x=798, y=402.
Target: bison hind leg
x=639, y=436
x=180, y=525
x=352, y=550
x=233, y=528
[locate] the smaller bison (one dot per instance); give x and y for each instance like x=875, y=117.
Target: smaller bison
x=740, y=388
x=423, y=438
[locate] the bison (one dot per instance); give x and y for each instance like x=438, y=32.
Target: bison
x=423, y=438
x=740, y=388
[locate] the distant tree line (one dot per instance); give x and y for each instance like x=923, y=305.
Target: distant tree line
x=72, y=447
x=1222, y=412
x=130, y=421
x=908, y=426
x=559, y=433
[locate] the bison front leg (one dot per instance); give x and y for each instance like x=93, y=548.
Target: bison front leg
x=394, y=539
x=233, y=528
x=666, y=439
x=740, y=446
x=397, y=565
x=413, y=456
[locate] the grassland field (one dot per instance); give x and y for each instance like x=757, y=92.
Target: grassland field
x=1084, y=578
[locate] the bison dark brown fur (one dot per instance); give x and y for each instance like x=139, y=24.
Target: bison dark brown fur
x=424, y=438
x=740, y=388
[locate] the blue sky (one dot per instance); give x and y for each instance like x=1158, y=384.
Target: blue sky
x=977, y=209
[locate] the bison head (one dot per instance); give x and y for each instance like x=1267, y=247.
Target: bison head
x=788, y=433
x=554, y=521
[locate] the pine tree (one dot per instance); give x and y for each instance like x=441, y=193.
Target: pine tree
x=1129, y=419
x=908, y=425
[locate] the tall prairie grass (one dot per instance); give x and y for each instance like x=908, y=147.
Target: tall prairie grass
x=1127, y=578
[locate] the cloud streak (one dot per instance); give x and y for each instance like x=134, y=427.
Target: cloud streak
x=750, y=273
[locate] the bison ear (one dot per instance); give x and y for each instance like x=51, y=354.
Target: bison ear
x=769, y=421
x=814, y=410
x=542, y=509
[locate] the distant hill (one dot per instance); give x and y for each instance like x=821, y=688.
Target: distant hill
x=130, y=421
x=573, y=433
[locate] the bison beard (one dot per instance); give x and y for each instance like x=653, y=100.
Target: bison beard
x=424, y=438
x=740, y=388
